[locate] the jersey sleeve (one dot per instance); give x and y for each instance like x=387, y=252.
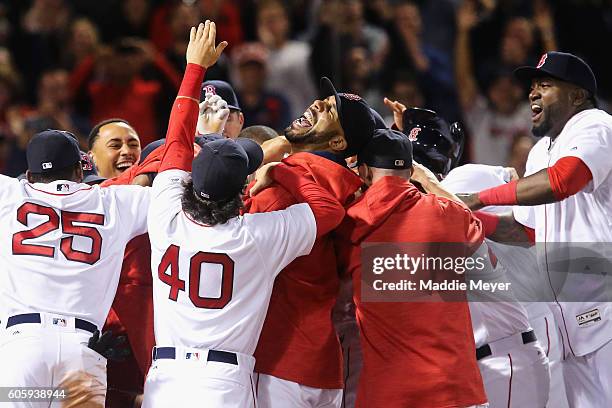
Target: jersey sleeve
x=166, y=195
x=8, y=187
x=524, y=215
x=592, y=143
x=283, y=235
x=132, y=205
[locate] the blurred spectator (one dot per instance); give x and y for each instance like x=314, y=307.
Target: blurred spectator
x=259, y=106
x=40, y=42
x=53, y=111
x=342, y=25
x=358, y=76
x=83, y=42
x=287, y=59
x=226, y=15
x=519, y=151
x=181, y=18
x=497, y=117
x=131, y=19
x=113, y=85
x=433, y=68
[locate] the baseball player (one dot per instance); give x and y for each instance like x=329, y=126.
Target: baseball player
x=504, y=339
x=62, y=247
x=566, y=192
x=213, y=269
x=416, y=354
x=299, y=359
x=235, y=120
x=522, y=271
x=114, y=146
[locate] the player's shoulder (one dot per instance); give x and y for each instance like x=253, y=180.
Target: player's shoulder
x=591, y=118
x=9, y=186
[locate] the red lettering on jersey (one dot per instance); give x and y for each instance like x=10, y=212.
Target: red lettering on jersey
x=170, y=259
x=68, y=220
x=53, y=223
x=227, y=280
x=19, y=248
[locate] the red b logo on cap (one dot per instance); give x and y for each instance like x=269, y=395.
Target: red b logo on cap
x=412, y=136
x=542, y=60
x=210, y=89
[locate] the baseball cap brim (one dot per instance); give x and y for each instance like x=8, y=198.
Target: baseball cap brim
x=526, y=74
x=253, y=151
x=326, y=89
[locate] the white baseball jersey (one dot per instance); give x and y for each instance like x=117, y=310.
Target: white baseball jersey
x=583, y=219
x=212, y=285
x=62, y=244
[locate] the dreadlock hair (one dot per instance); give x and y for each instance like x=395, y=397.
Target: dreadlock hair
x=209, y=212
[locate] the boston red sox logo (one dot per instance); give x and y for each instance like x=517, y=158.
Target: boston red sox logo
x=542, y=60
x=210, y=89
x=351, y=97
x=412, y=136
x=86, y=163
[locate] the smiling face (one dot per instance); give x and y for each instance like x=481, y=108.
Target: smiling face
x=317, y=127
x=552, y=104
x=116, y=149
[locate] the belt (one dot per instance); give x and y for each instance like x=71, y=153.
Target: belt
x=485, y=351
x=213, y=355
x=35, y=318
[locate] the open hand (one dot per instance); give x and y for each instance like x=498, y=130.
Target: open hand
x=201, y=49
x=398, y=109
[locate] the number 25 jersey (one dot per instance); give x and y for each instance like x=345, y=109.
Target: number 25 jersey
x=62, y=244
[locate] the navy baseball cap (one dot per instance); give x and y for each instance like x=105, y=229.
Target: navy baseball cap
x=52, y=150
x=220, y=170
x=356, y=117
x=388, y=149
x=563, y=66
x=224, y=90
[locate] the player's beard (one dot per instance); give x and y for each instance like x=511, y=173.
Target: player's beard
x=550, y=115
x=311, y=137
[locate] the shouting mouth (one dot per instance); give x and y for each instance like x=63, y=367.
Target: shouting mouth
x=124, y=165
x=305, y=121
x=536, y=113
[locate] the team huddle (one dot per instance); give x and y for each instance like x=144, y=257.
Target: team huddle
x=256, y=253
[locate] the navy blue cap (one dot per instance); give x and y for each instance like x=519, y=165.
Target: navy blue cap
x=52, y=150
x=220, y=169
x=224, y=90
x=356, y=118
x=435, y=144
x=563, y=66
x=388, y=149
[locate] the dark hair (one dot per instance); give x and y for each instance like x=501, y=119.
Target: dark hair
x=258, y=133
x=67, y=173
x=207, y=211
x=95, y=132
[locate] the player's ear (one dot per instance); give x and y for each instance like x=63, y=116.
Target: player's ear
x=241, y=118
x=29, y=176
x=338, y=143
x=578, y=96
x=78, y=173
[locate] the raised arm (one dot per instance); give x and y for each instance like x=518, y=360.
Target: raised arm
x=201, y=54
x=464, y=72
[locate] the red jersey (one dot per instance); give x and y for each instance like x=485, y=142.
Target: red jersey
x=415, y=354
x=298, y=341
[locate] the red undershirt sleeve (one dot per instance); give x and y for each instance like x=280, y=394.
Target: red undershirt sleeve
x=328, y=212
x=568, y=176
x=180, y=136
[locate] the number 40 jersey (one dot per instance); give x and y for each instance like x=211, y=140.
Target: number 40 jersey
x=212, y=284
x=62, y=243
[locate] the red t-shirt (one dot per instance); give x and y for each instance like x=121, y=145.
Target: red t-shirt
x=298, y=341
x=415, y=354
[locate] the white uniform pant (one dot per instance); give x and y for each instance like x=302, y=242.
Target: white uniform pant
x=516, y=375
x=273, y=392
x=549, y=337
x=588, y=379
x=52, y=355
x=188, y=382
